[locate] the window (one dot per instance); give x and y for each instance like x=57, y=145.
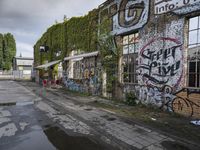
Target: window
x=194, y=32
x=130, y=54
x=194, y=52
x=77, y=70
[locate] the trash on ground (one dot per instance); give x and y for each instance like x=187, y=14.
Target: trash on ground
x=154, y=119
x=196, y=122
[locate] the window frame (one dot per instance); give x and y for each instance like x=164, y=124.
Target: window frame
x=193, y=75
x=130, y=57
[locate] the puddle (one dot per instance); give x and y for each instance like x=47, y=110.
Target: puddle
x=17, y=103
x=88, y=109
x=24, y=103
x=63, y=141
x=170, y=145
x=8, y=104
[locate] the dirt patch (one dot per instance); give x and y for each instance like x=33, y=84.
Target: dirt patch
x=88, y=109
x=108, y=118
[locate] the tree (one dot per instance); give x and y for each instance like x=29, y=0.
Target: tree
x=9, y=50
x=1, y=51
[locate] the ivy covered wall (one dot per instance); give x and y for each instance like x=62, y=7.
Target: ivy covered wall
x=77, y=33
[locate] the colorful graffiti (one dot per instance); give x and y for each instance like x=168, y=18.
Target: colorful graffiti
x=126, y=15
x=84, y=78
x=72, y=84
x=185, y=101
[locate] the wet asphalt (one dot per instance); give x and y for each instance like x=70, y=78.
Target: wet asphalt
x=40, y=133
x=25, y=127
x=34, y=119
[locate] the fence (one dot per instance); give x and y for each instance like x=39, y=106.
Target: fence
x=15, y=74
x=6, y=74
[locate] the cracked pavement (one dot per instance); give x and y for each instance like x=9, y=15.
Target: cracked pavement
x=76, y=117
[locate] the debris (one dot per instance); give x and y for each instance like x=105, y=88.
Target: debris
x=196, y=122
x=154, y=119
x=23, y=125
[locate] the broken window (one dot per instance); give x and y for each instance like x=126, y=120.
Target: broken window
x=130, y=54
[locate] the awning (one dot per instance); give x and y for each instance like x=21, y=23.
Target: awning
x=45, y=66
x=76, y=57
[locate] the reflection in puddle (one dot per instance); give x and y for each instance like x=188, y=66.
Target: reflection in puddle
x=50, y=138
x=62, y=141
x=32, y=140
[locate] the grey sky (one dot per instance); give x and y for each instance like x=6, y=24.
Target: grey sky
x=27, y=20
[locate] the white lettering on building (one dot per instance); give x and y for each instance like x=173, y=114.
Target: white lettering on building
x=163, y=6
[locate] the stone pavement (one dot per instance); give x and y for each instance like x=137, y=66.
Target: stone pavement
x=113, y=128
x=12, y=92
x=32, y=123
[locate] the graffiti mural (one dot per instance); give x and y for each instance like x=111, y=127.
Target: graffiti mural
x=187, y=102
x=85, y=78
x=161, y=65
x=72, y=84
x=126, y=15
x=161, y=71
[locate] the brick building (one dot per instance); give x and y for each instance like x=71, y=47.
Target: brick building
x=151, y=49
x=160, y=51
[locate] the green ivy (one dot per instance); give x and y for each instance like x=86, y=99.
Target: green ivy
x=109, y=54
x=81, y=33
x=77, y=33
x=130, y=99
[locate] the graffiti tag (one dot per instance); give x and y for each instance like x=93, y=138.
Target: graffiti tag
x=163, y=6
x=161, y=62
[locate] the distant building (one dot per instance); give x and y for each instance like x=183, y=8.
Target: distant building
x=22, y=67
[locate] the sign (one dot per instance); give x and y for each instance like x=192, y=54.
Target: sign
x=23, y=62
x=164, y=6
x=44, y=48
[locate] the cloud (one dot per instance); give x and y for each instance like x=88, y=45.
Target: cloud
x=25, y=49
x=29, y=19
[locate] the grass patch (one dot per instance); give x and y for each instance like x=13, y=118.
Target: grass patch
x=76, y=93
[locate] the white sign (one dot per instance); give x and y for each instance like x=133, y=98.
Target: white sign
x=163, y=6
x=27, y=72
x=22, y=62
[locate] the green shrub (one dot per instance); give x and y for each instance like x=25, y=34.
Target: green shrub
x=130, y=99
